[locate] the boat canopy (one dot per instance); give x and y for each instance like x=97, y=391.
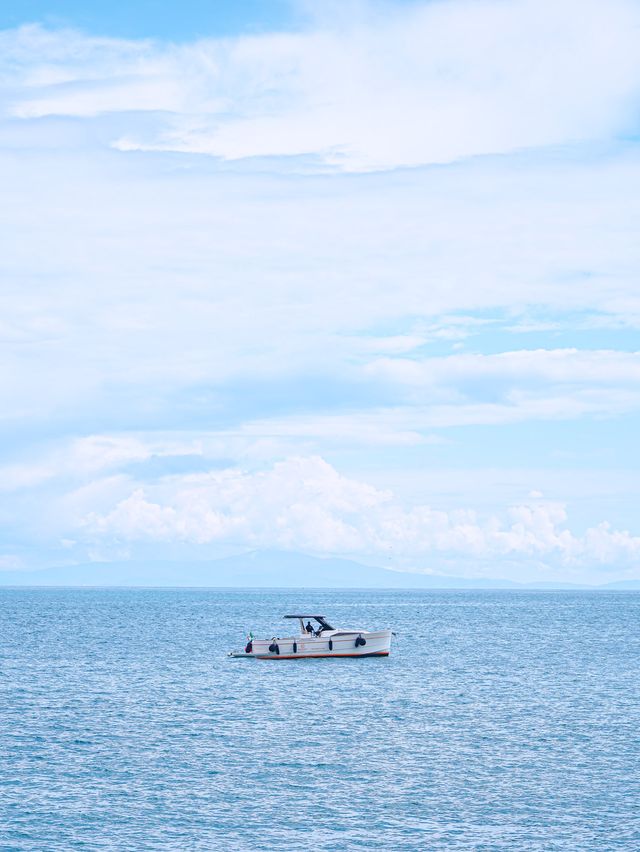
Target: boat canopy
x=306, y=615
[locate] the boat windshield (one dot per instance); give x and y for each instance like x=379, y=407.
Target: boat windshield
x=323, y=624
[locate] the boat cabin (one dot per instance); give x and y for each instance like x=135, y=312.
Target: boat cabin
x=321, y=624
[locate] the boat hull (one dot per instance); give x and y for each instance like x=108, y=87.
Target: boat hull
x=340, y=644
x=318, y=656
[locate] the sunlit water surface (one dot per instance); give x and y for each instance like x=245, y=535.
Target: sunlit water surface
x=502, y=720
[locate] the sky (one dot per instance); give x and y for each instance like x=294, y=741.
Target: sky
x=352, y=279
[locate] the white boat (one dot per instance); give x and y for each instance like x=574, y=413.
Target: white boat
x=318, y=639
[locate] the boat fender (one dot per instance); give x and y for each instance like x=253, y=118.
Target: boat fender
x=248, y=647
x=331, y=644
x=273, y=647
x=360, y=641
x=295, y=647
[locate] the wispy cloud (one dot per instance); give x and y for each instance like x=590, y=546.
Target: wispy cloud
x=421, y=83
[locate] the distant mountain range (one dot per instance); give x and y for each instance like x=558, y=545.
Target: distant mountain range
x=266, y=569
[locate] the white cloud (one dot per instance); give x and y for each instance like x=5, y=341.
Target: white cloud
x=475, y=389
x=101, y=500
x=92, y=455
x=423, y=83
x=409, y=425
x=375, y=427
x=265, y=278
x=520, y=368
x=245, y=313
x=305, y=504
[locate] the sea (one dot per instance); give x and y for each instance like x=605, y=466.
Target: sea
x=502, y=720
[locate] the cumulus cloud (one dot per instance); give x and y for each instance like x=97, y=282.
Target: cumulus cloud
x=102, y=498
x=305, y=504
x=399, y=85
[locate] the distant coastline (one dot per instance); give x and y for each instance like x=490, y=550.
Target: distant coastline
x=270, y=570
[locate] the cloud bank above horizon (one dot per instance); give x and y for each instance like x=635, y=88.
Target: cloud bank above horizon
x=360, y=286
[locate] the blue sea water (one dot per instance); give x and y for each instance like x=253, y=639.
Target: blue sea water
x=502, y=720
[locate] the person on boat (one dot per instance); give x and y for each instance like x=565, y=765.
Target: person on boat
x=309, y=628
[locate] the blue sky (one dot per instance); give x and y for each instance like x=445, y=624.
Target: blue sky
x=354, y=279
x=188, y=19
